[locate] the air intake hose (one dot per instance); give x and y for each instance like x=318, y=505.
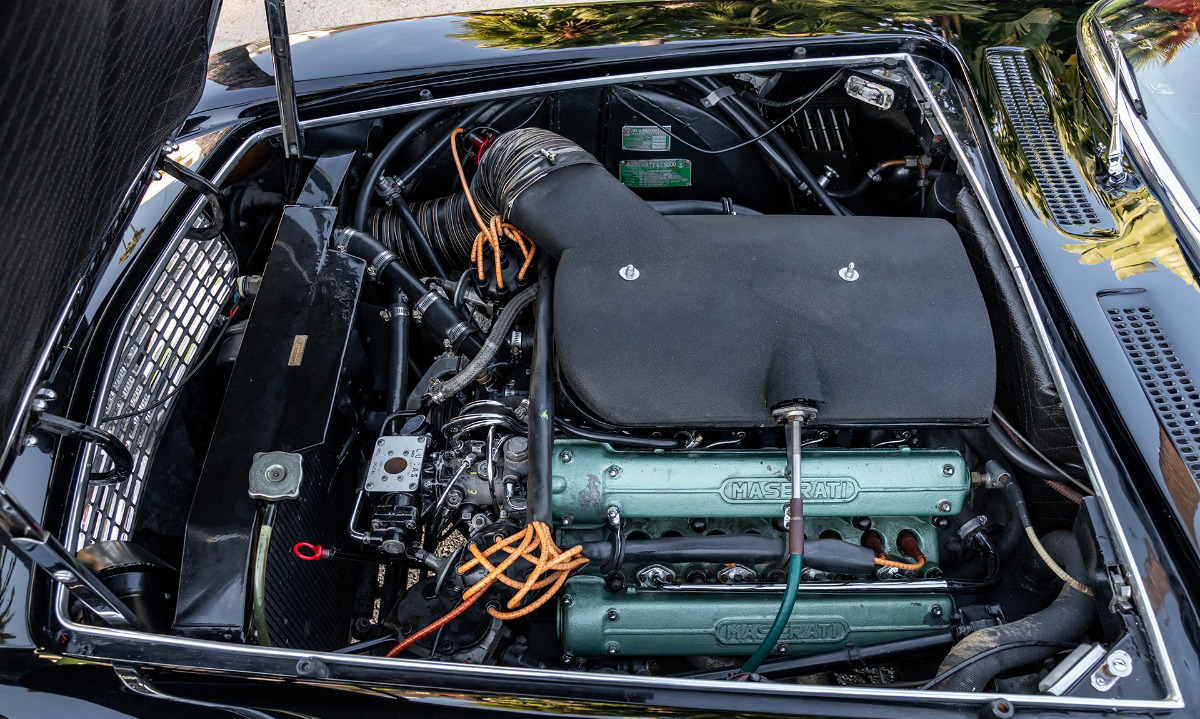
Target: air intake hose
x=515, y=161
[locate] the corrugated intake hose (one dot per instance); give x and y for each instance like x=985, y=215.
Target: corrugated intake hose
x=496, y=337
x=513, y=162
x=1065, y=620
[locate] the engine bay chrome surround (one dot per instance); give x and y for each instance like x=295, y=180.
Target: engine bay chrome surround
x=934, y=84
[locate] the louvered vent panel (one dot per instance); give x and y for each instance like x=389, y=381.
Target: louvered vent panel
x=1167, y=382
x=1072, y=206
x=173, y=316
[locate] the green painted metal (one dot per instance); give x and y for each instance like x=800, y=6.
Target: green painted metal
x=590, y=477
x=593, y=622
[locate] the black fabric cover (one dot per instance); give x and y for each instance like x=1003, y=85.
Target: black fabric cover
x=732, y=315
x=88, y=91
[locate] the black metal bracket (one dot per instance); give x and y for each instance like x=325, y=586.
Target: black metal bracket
x=112, y=446
x=195, y=181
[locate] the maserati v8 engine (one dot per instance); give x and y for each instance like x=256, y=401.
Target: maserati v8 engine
x=694, y=377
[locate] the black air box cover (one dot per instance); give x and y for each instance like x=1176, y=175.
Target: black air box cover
x=729, y=316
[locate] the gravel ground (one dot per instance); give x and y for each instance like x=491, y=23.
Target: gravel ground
x=244, y=20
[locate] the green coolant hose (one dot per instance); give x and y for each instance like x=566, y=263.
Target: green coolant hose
x=795, y=564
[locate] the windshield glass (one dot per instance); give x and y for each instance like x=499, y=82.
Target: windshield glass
x=1161, y=40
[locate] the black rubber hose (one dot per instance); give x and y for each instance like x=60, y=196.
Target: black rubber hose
x=829, y=555
x=754, y=124
x=380, y=163
x=855, y=191
x=397, y=385
x=699, y=207
x=747, y=129
x=616, y=438
x=497, y=336
x=846, y=658
x=400, y=205
x=438, y=315
x=466, y=121
x=1067, y=618
x=541, y=399
x=1024, y=461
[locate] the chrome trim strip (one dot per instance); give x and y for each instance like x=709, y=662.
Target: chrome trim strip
x=1151, y=160
x=1140, y=595
x=969, y=162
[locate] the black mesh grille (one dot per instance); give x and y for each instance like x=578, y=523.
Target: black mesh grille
x=1071, y=204
x=1166, y=380
x=308, y=603
x=162, y=341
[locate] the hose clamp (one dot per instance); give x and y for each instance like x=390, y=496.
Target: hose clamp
x=457, y=332
x=717, y=95
x=382, y=260
x=425, y=302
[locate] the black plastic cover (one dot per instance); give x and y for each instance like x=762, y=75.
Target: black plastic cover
x=729, y=316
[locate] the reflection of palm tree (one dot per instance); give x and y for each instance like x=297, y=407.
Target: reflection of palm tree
x=581, y=26
x=1156, y=30
x=1147, y=243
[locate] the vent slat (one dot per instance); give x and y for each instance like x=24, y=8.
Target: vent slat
x=1167, y=382
x=158, y=348
x=1071, y=205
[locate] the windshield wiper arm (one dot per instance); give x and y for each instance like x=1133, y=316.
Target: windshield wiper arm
x=1124, y=84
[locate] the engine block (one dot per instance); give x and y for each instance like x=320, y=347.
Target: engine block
x=855, y=495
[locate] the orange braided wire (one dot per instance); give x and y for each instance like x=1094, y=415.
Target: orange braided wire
x=490, y=233
x=554, y=563
x=914, y=566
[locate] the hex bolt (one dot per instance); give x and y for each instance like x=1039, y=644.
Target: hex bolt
x=862, y=524
x=564, y=456
x=936, y=610
x=781, y=648
x=30, y=441
x=567, y=659
x=948, y=470
x=612, y=615
x=612, y=471
x=612, y=648
x=943, y=506
x=567, y=599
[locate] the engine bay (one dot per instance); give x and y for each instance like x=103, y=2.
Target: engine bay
x=699, y=377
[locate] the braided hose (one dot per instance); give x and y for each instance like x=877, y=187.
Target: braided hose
x=484, y=357
x=513, y=163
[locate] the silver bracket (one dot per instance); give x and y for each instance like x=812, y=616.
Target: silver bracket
x=1071, y=669
x=396, y=464
x=285, y=86
x=1116, y=666
x=276, y=475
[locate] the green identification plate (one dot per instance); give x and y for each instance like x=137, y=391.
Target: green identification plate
x=656, y=173
x=645, y=138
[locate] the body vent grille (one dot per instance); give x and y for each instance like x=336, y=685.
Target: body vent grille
x=159, y=344
x=1070, y=202
x=1166, y=380
x=824, y=129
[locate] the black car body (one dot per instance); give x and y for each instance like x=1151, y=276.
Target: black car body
x=1089, y=282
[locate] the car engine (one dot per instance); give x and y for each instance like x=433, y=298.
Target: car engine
x=695, y=377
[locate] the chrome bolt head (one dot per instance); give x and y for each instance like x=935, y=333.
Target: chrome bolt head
x=948, y=470
x=944, y=506
x=564, y=456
